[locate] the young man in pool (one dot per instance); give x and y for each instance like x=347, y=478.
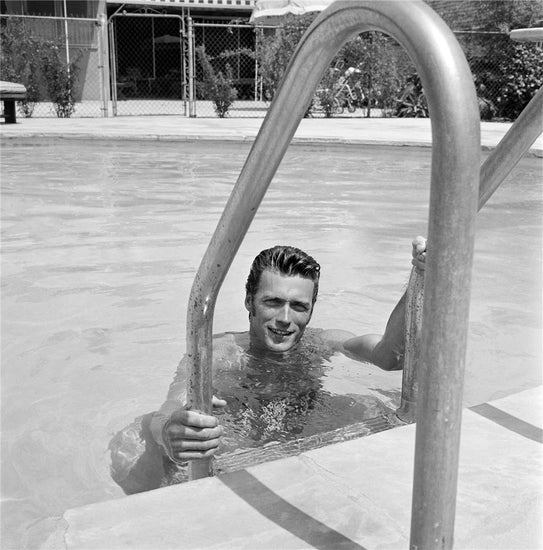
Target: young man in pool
x=281, y=292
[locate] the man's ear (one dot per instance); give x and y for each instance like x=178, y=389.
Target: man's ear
x=248, y=302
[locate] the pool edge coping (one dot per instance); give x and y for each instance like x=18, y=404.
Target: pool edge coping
x=193, y=138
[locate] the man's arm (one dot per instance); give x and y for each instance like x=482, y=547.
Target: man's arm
x=183, y=434
x=386, y=351
x=145, y=454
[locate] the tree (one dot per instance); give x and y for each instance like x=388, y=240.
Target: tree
x=381, y=62
x=506, y=74
x=488, y=15
x=275, y=50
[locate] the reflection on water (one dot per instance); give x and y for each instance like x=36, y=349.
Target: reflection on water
x=100, y=244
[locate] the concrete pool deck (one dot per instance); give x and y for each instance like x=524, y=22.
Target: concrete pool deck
x=355, y=495
x=389, y=131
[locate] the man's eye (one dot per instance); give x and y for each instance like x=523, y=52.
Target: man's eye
x=301, y=308
x=273, y=302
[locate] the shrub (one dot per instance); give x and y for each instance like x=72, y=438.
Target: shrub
x=506, y=74
x=20, y=61
x=217, y=87
x=412, y=102
x=521, y=78
x=37, y=64
x=60, y=80
x=327, y=92
x=508, y=79
x=487, y=109
x=327, y=101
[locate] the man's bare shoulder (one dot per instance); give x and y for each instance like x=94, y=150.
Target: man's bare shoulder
x=336, y=337
x=229, y=349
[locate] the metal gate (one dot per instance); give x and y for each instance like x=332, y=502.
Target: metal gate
x=148, y=64
x=161, y=63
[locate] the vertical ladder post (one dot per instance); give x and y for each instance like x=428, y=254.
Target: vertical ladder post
x=103, y=63
x=412, y=333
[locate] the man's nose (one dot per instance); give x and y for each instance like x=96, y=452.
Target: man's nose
x=284, y=315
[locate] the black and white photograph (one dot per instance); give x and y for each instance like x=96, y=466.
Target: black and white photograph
x=271, y=274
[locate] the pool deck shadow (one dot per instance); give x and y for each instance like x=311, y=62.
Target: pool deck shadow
x=349, y=495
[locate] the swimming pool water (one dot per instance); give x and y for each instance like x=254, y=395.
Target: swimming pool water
x=101, y=241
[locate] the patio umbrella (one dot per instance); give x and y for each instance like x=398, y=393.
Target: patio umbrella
x=167, y=39
x=270, y=10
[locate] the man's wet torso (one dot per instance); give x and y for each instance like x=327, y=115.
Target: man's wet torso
x=312, y=389
x=279, y=397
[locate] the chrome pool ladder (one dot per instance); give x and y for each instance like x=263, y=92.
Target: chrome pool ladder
x=454, y=201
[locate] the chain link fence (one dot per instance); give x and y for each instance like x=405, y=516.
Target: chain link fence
x=79, y=44
x=506, y=74
x=236, y=73
x=373, y=76
x=165, y=64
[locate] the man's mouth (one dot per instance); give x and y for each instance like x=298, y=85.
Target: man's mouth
x=279, y=332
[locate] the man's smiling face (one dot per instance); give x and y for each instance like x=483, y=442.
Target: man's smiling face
x=279, y=310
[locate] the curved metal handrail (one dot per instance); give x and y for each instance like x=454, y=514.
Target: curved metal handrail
x=519, y=138
x=454, y=115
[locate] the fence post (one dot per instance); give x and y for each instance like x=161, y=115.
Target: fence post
x=256, y=69
x=102, y=64
x=192, y=106
x=183, y=53
x=66, y=37
x=113, y=66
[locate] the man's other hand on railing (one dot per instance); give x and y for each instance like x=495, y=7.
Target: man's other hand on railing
x=419, y=253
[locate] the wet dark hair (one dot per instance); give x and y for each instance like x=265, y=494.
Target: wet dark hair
x=287, y=260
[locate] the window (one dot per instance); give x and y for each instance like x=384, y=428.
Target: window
x=74, y=8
